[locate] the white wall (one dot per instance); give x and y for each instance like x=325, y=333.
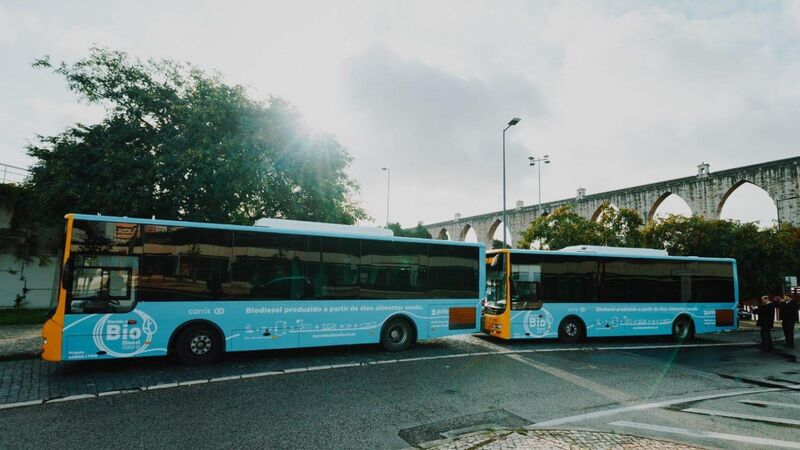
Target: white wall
x=38, y=279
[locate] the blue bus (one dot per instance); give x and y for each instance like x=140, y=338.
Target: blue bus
x=138, y=287
x=589, y=291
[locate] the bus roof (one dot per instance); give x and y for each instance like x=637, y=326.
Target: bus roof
x=263, y=229
x=299, y=225
x=613, y=254
x=622, y=251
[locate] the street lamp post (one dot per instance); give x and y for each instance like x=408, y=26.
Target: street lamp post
x=543, y=160
x=388, y=185
x=511, y=123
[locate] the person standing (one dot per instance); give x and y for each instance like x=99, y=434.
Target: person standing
x=789, y=311
x=766, y=319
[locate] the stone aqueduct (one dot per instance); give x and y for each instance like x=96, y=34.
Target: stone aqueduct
x=705, y=193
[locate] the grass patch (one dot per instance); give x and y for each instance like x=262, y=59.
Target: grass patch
x=22, y=316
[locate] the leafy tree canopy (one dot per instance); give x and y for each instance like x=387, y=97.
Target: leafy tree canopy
x=417, y=232
x=764, y=256
x=497, y=243
x=180, y=143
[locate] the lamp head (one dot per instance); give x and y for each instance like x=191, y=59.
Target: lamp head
x=514, y=121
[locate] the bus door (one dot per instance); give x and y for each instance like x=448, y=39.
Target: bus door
x=100, y=319
x=496, y=313
x=529, y=319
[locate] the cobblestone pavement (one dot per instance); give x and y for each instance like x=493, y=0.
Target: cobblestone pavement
x=553, y=439
x=20, y=341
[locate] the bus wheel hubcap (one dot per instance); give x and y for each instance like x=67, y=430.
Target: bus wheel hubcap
x=571, y=329
x=396, y=334
x=200, y=344
x=680, y=329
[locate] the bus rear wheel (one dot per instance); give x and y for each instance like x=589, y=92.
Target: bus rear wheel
x=397, y=335
x=570, y=331
x=198, y=344
x=682, y=329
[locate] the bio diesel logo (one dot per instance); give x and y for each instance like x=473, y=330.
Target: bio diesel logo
x=538, y=323
x=119, y=338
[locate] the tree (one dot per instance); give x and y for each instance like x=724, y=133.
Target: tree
x=561, y=228
x=763, y=256
x=417, y=232
x=497, y=243
x=179, y=143
x=564, y=227
x=621, y=228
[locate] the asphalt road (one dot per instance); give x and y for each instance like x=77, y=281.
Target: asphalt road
x=378, y=400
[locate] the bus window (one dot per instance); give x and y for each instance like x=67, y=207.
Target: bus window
x=526, y=281
x=495, y=284
x=103, y=284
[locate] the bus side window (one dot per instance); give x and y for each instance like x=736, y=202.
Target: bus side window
x=526, y=291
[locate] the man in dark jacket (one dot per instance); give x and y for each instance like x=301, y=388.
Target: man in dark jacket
x=766, y=319
x=788, y=319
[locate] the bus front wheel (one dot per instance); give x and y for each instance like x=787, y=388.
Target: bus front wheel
x=397, y=335
x=682, y=329
x=571, y=330
x=198, y=344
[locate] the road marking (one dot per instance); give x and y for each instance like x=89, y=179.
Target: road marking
x=228, y=378
x=708, y=434
x=20, y=404
x=498, y=350
x=109, y=393
x=160, y=386
x=645, y=406
x=262, y=374
x=711, y=412
x=597, y=388
x=193, y=382
x=765, y=403
x=70, y=398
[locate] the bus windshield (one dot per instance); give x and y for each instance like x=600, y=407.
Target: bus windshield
x=495, y=284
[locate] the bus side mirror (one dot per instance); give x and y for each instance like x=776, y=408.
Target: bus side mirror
x=67, y=274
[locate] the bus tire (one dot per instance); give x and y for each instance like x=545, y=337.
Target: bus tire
x=682, y=329
x=397, y=335
x=198, y=344
x=571, y=330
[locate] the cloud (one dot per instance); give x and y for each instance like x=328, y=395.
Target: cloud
x=435, y=129
x=617, y=93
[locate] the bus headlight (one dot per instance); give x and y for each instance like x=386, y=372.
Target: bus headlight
x=497, y=326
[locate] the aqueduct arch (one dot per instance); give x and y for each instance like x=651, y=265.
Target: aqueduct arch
x=705, y=194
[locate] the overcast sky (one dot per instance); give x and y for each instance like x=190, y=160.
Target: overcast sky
x=617, y=93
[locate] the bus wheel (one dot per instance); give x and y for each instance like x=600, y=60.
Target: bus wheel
x=198, y=344
x=571, y=330
x=397, y=335
x=682, y=329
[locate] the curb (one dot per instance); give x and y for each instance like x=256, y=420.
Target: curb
x=20, y=356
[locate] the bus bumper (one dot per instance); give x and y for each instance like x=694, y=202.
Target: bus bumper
x=51, y=341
